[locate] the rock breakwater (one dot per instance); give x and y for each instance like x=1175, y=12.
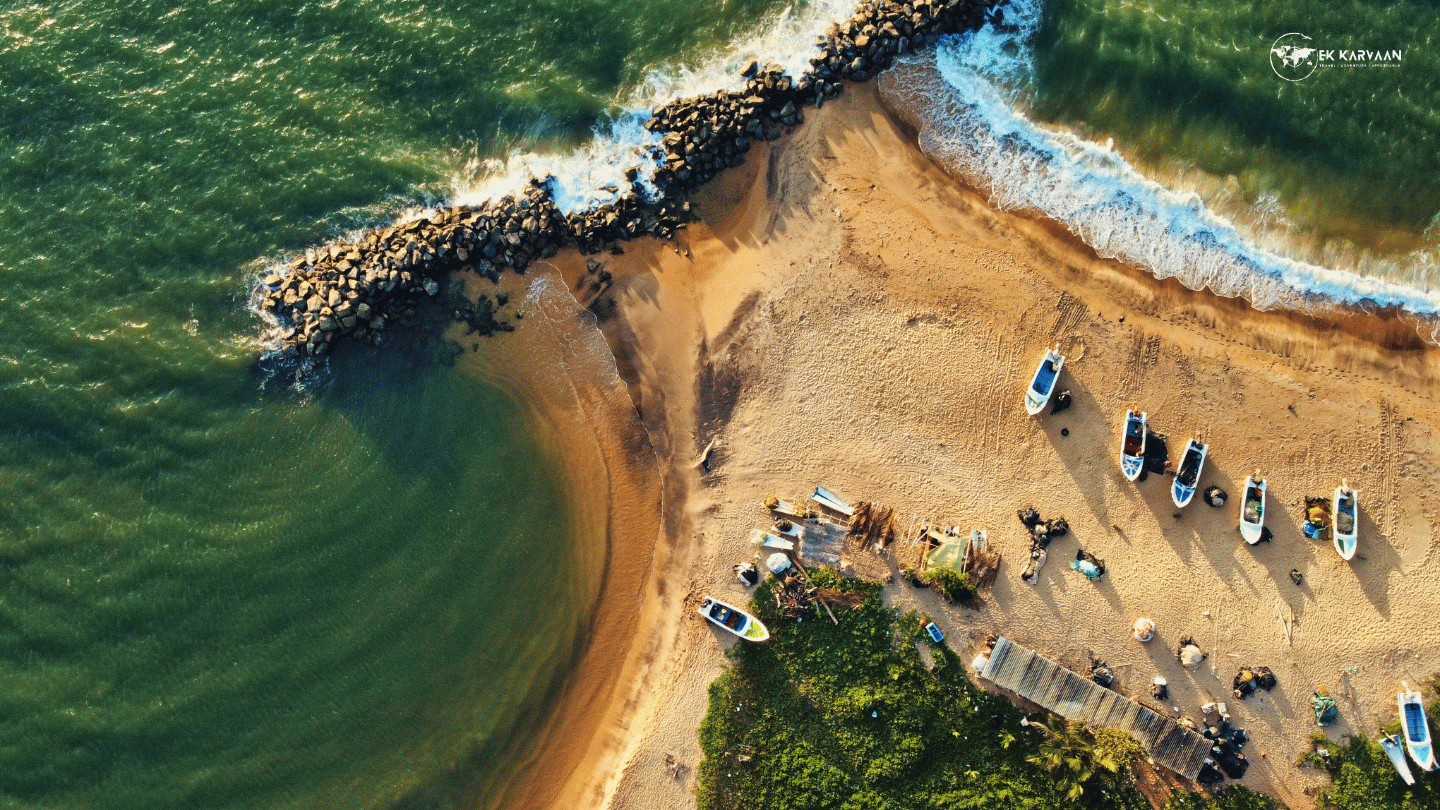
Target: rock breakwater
x=364, y=288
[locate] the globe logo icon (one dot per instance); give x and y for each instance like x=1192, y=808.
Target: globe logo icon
x=1292, y=57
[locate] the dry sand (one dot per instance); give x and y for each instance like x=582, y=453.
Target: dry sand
x=845, y=313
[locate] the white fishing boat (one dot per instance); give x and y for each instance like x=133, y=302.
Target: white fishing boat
x=1414, y=727
x=1252, y=509
x=733, y=619
x=1132, y=449
x=1345, y=521
x=833, y=502
x=1042, y=385
x=1391, y=744
x=1187, y=477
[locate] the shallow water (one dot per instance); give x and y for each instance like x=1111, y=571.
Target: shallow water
x=216, y=592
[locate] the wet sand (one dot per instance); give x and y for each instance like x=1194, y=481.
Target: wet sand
x=846, y=313
x=557, y=367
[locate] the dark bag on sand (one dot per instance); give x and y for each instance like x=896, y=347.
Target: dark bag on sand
x=1029, y=517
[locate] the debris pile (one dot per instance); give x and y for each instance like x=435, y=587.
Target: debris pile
x=834, y=597
x=1227, y=741
x=1101, y=673
x=794, y=595
x=1041, y=533
x=980, y=561
x=1188, y=653
x=873, y=525
x=1317, y=518
x=1249, y=679
x=1088, y=564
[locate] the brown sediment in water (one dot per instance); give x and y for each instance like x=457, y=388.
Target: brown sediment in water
x=557, y=367
x=845, y=313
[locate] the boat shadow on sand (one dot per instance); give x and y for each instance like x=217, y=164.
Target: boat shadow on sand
x=1080, y=450
x=1191, y=536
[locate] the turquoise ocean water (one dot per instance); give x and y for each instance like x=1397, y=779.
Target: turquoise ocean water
x=220, y=593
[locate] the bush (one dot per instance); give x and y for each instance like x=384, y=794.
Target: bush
x=953, y=585
x=1231, y=797
x=1362, y=778
x=848, y=716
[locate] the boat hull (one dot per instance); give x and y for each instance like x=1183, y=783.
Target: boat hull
x=1416, y=729
x=1132, y=457
x=1035, y=398
x=1393, y=749
x=831, y=501
x=1252, y=531
x=1345, y=542
x=1180, y=493
x=724, y=615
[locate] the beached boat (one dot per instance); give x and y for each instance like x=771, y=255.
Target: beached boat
x=1415, y=728
x=1391, y=744
x=764, y=539
x=1252, y=509
x=733, y=619
x=1187, y=477
x=1043, y=383
x=786, y=508
x=1132, y=449
x=1345, y=522
x=833, y=502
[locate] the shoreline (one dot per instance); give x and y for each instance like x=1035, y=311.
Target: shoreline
x=588, y=424
x=845, y=233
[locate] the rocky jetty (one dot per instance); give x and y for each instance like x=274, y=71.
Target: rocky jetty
x=364, y=288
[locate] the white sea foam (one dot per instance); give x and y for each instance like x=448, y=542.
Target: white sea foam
x=971, y=124
x=594, y=174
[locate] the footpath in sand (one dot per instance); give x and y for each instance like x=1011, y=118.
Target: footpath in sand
x=845, y=313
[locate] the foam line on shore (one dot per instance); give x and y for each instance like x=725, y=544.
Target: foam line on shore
x=969, y=122
x=593, y=175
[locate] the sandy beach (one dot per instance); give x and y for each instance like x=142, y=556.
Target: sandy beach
x=844, y=312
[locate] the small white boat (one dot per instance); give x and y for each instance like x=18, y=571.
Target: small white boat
x=1415, y=728
x=764, y=539
x=733, y=619
x=1345, y=521
x=1391, y=744
x=1187, y=477
x=833, y=502
x=1043, y=383
x=1132, y=449
x=1252, y=509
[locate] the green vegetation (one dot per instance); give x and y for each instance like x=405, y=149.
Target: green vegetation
x=953, y=585
x=849, y=717
x=1233, y=797
x=1071, y=753
x=1362, y=777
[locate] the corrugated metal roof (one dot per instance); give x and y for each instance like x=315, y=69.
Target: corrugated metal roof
x=1064, y=692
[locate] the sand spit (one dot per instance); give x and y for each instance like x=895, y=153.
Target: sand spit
x=844, y=312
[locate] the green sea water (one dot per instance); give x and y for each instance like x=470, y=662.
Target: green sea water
x=1350, y=155
x=217, y=592
x=221, y=593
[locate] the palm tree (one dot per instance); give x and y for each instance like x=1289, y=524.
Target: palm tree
x=1069, y=754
